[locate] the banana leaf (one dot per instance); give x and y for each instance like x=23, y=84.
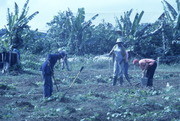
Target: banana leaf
x=178, y=22
x=136, y=22
x=167, y=14
x=172, y=11
x=25, y=10
x=16, y=9
x=178, y=5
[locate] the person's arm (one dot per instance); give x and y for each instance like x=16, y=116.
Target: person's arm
x=144, y=67
x=144, y=72
x=111, y=52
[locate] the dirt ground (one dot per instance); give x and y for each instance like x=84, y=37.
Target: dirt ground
x=91, y=98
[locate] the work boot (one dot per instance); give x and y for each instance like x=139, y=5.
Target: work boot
x=121, y=80
x=114, y=81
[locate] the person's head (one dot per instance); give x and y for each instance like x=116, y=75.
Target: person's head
x=136, y=62
x=62, y=54
x=119, y=41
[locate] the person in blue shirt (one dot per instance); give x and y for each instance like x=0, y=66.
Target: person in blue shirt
x=47, y=70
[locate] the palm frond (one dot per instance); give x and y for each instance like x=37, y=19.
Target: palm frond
x=31, y=17
x=178, y=5
x=119, y=23
x=178, y=22
x=166, y=12
x=24, y=11
x=9, y=19
x=136, y=22
x=16, y=9
x=140, y=16
x=172, y=11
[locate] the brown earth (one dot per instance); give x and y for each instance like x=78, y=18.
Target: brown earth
x=92, y=97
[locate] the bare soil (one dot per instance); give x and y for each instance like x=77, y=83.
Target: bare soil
x=91, y=98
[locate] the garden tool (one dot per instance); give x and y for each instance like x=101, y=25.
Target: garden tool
x=63, y=96
x=109, y=63
x=55, y=83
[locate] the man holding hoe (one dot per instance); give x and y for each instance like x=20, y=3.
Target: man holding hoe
x=48, y=73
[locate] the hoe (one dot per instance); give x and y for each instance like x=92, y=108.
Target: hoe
x=63, y=96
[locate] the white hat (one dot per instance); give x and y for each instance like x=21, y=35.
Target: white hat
x=60, y=49
x=119, y=40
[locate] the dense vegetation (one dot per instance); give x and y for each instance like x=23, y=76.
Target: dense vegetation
x=92, y=97
x=77, y=36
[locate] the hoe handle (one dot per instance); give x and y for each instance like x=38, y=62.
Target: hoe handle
x=81, y=68
x=73, y=82
x=77, y=76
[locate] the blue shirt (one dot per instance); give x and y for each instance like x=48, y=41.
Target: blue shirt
x=48, y=65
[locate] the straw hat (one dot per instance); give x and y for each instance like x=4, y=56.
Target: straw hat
x=119, y=40
x=62, y=52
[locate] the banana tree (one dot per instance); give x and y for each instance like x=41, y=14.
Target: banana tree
x=171, y=18
x=172, y=15
x=79, y=30
x=70, y=31
x=167, y=27
x=17, y=28
x=127, y=28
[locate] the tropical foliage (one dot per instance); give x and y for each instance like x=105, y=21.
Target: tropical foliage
x=170, y=28
x=126, y=27
x=102, y=39
x=79, y=36
x=17, y=28
x=70, y=31
x=129, y=29
x=160, y=39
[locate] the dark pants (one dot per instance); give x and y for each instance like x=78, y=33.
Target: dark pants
x=48, y=86
x=150, y=74
x=126, y=67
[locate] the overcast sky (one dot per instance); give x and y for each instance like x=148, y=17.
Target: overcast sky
x=107, y=9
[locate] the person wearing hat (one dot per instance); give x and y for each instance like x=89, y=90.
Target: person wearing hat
x=148, y=67
x=119, y=55
x=47, y=70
